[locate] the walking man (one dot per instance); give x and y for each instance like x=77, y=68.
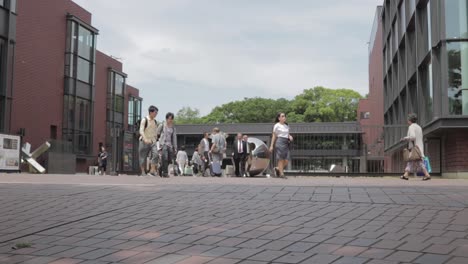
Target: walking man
x=147, y=142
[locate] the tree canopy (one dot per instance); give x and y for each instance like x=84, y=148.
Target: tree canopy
x=317, y=104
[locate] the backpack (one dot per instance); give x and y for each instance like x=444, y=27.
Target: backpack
x=138, y=123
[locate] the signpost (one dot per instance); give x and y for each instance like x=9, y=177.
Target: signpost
x=10, y=152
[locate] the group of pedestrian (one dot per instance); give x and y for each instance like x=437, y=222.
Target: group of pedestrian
x=159, y=141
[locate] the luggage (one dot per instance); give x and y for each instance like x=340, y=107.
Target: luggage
x=188, y=171
x=229, y=171
x=216, y=168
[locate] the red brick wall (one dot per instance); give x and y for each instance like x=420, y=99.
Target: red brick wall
x=373, y=127
x=456, y=151
x=39, y=66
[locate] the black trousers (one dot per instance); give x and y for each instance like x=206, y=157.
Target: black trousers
x=239, y=164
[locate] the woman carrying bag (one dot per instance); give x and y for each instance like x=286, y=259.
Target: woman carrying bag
x=414, y=138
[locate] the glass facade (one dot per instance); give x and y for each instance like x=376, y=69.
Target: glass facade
x=457, y=55
x=78, y=88
x=134, y=113
x=456, y=19
x=115, y=120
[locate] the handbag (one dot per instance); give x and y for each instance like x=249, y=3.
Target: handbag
x=412, y=155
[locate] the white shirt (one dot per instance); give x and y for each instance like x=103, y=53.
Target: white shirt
x=415, y=136
x=207, y=145
x=281, y=130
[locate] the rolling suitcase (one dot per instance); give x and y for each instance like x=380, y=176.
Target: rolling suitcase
x=216, y=168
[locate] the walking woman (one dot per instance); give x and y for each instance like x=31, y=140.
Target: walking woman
x=280, y=143
x=415, y=139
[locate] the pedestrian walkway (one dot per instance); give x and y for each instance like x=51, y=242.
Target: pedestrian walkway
x=128, y=219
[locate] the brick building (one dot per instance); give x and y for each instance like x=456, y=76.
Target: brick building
x=370, y=110
x=65, y=90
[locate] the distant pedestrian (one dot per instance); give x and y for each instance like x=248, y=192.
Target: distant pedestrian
x=102, y=161
x=415, y=140
x=168, y=143
x=239, y=148
x=217, y=150
x=203, y=150
x=182, y=159
x=197, y=162
x=248, y=154
x=280, y=143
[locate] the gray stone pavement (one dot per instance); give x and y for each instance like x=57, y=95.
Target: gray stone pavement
x=104, y=219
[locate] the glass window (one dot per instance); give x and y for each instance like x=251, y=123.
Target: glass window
x=83, y=90
x=119, y=84
x=2, y=2
x=119, y=104
x=84, y=70
x=131, y=106
x=13, y=6
x=429, y=26
x=458, y=77
x=85, y=43
x=456, y=18
x=83, y=112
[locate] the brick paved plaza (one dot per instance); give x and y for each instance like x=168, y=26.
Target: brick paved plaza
x=105, y=219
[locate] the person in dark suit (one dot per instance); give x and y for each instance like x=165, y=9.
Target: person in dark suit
x=240, y=150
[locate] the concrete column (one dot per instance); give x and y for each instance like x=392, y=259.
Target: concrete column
x=463, y=16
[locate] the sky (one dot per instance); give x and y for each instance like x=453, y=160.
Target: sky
x=205, y=53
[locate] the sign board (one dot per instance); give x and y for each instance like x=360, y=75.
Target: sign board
x=10, y=152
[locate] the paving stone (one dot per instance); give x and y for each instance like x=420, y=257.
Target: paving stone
x=351, y=260
x=363, y=242
x=403, y=256
x=142, y=257
x=376, y=253
x=119, y=255
x=321, y=259
x=167, y=259
x=349, y=251
x=294, y=257
x=277, y=245
x=95, y=254
x=267, y=255
x=388, y=244
x=243, y=253
x=195, y=260
x=224, y=261
x=219, y=251
x=458, y=260
x=432, y=259
x=440, y=249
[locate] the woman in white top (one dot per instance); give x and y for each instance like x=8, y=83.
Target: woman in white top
x=280, y=143
x=182, y=159
x=415, y=138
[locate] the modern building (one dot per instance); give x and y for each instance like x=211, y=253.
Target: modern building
x=370, y=109
x=425, y=69
x=315, y=148
x=7, y=53
x=67, y=92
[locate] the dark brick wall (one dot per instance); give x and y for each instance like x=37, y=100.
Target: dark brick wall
x=39, y=66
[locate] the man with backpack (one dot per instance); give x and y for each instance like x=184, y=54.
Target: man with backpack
x=148, y=141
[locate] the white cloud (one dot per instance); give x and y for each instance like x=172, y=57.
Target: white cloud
x=203, y=53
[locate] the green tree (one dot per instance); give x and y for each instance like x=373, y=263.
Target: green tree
x=187, y=115
x=321, y=104
x=317, y=104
